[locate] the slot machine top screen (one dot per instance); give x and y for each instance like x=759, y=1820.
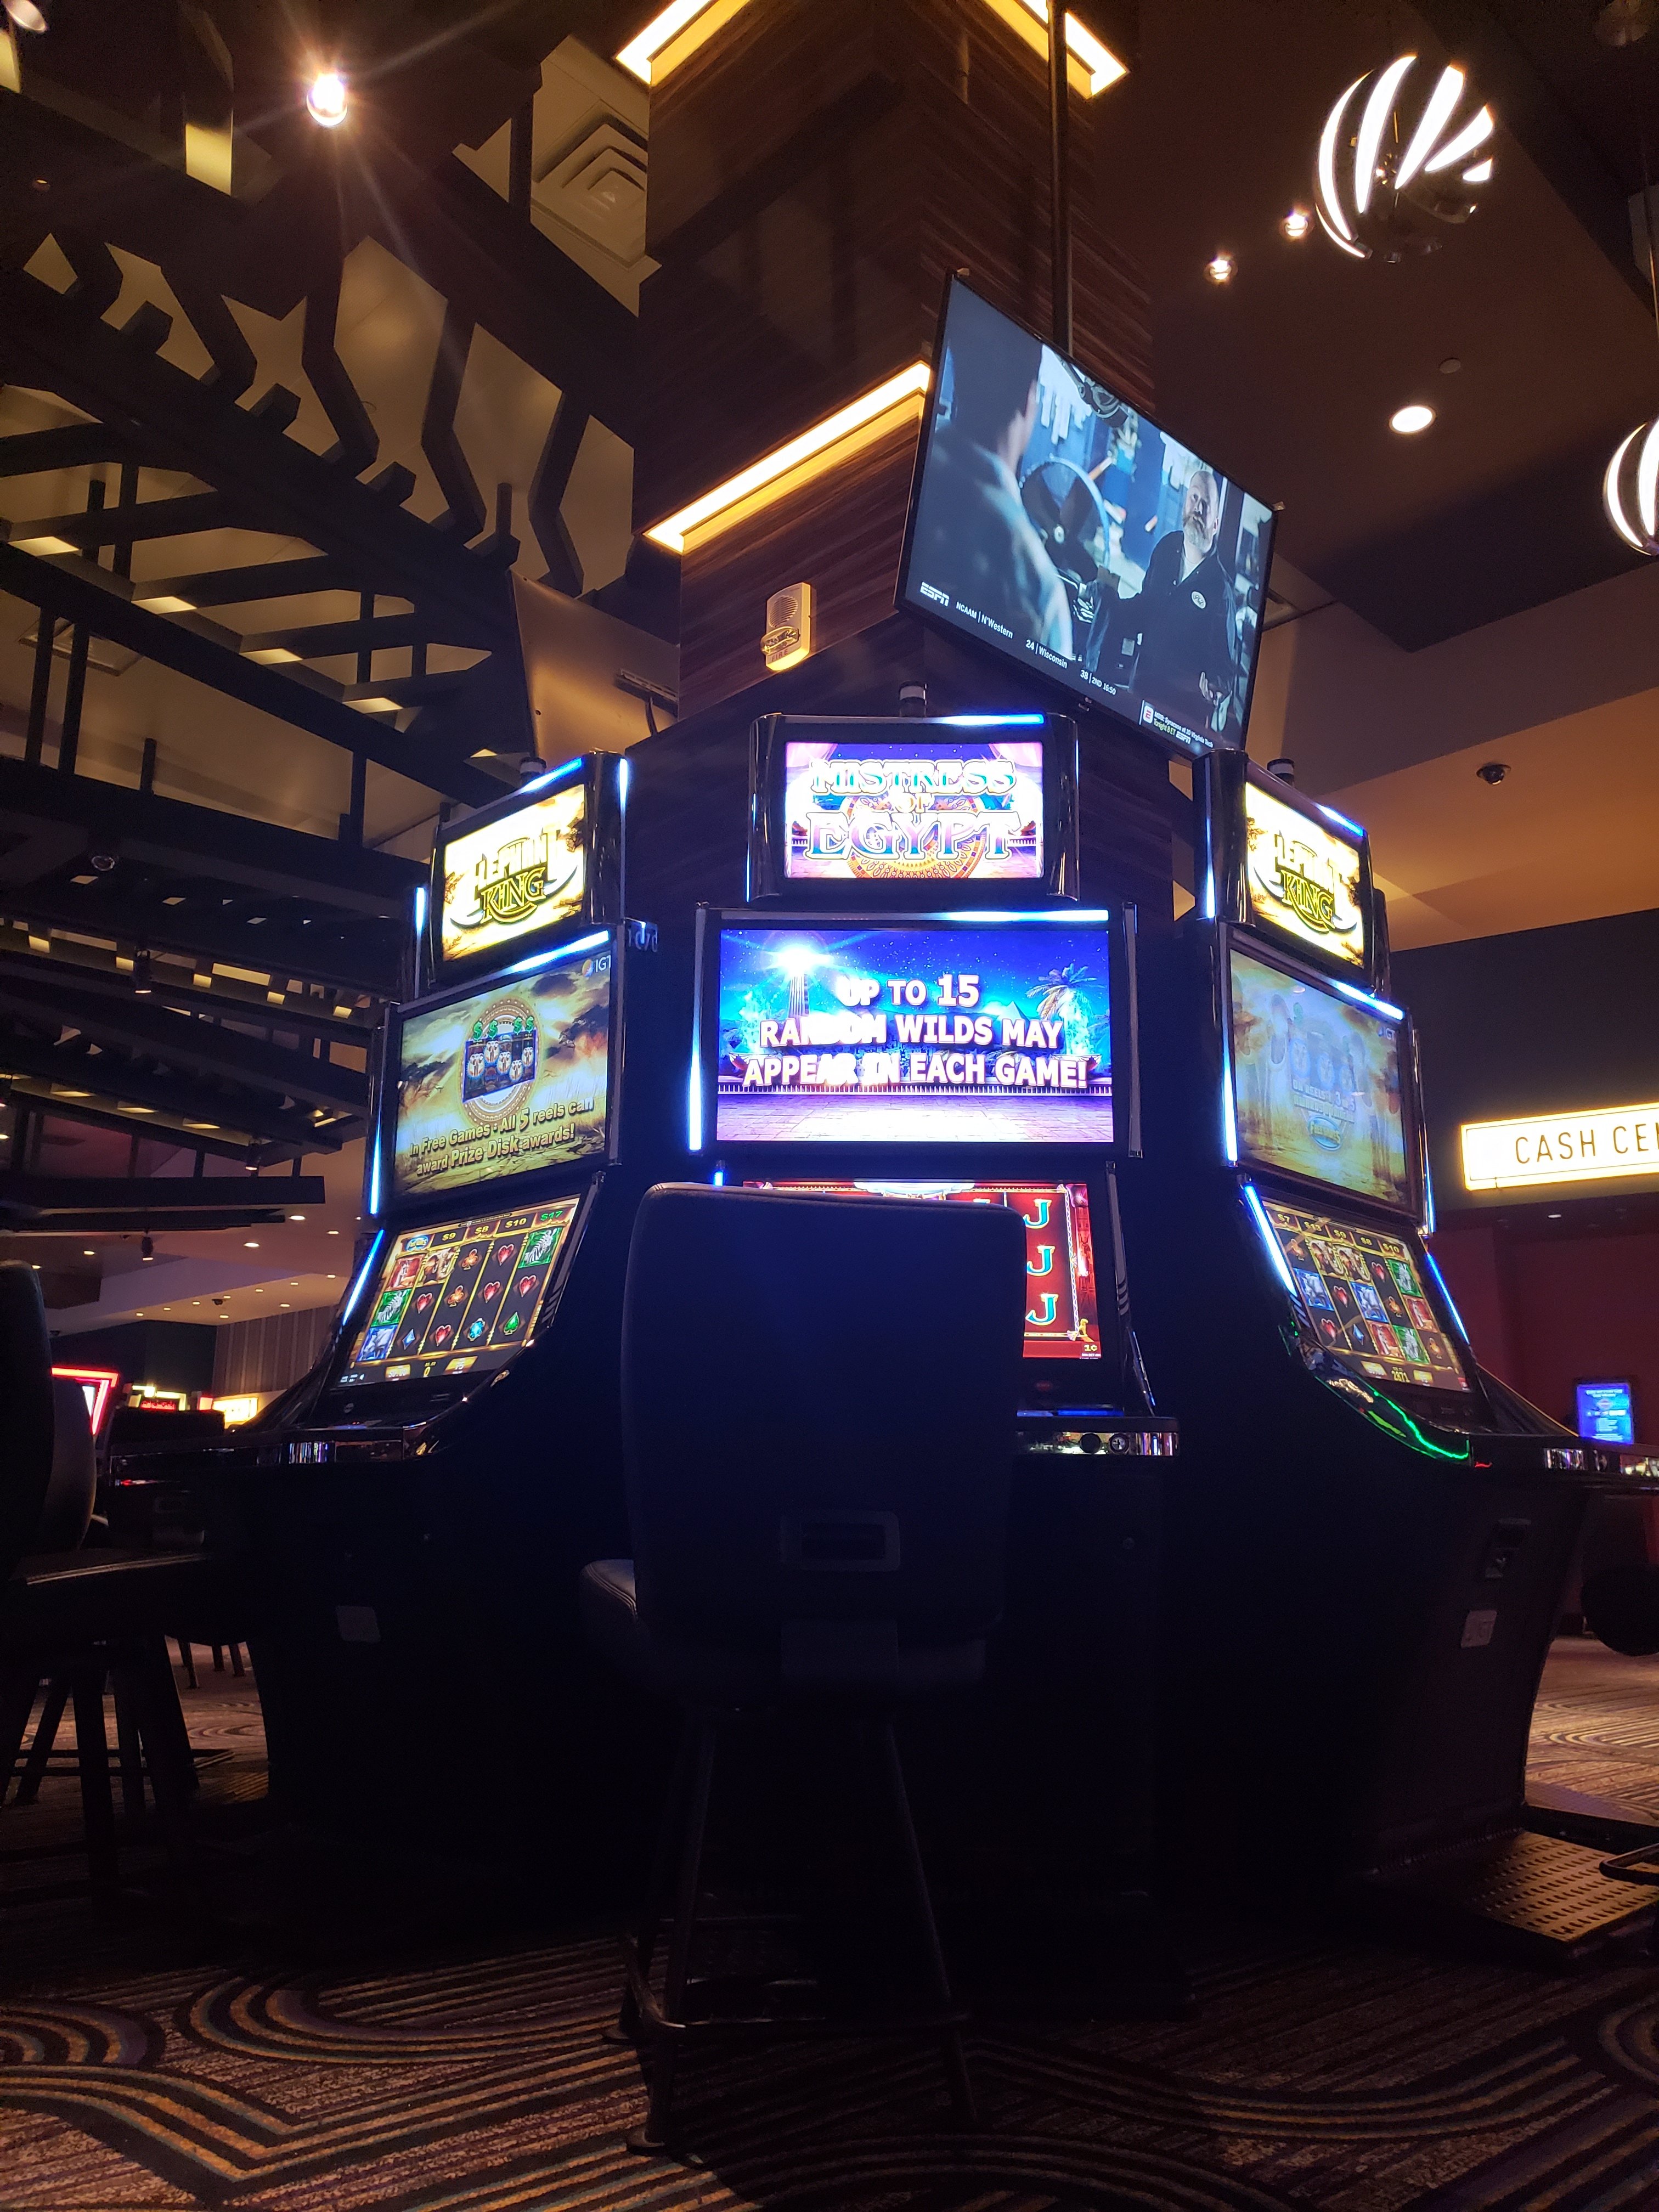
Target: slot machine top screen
x=1062, y=1317
x=1361, y=1296
x=460, y=1298
x=1054, y=523
x=506, y=1080
x=500, y=884
x=1303, y=880
x=925, y=1031
x=1316, y=1088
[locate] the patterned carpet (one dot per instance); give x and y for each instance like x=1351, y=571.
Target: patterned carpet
x=290, y=2029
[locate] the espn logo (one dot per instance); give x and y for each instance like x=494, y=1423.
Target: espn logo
x=932, y=591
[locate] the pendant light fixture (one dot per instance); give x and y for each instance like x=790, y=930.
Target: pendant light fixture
x=1392, y=169
x=1630, y=487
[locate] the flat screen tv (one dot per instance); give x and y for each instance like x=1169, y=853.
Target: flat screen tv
x=1053, y=522
x=1315, y=1082
x=922, y=1029
x=1062, y=1314
x=508, y=1079
x=507, y=878
x=884, y=808
x=1362, y=1295
x=460, y=1298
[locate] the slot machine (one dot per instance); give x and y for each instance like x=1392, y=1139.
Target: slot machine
x=427, y=1495
x=1371, y=1532
x=912, y=1002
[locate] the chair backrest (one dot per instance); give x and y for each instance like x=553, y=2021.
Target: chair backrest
x=67, y=1513
x=818, y=1401
x=26, y=1417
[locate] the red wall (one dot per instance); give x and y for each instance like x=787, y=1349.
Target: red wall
x=1547, y=1312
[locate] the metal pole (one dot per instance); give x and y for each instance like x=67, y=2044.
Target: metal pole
x=1060, y=188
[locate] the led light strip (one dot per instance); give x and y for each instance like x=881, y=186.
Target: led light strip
x=790, y=465
x=675, y=34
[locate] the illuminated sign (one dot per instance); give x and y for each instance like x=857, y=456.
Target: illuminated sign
x=927, y=811
x=1607, y=1414
x=1302, y=879
x=517, y=875
x=1555, y=1148
x=96, y=1383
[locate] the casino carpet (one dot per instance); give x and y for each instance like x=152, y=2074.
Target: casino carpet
x=228, y=2049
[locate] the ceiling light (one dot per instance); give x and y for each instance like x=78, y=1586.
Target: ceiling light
x=1408, y=421
x=1298, y=223
x=1385, y=184
x=147, y=1246
x=26, y=15
x=89, y=1252
x=142, y=985
x=1221, y=268
x=1630, y=488
x=333, y=1232
x=788, y=466
x=296, y=1217
x=251, y=1244
x=326, y=100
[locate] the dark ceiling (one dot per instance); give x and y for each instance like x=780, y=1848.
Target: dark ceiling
x=1288, y=375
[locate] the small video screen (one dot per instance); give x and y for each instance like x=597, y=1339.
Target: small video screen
x=1062, y=1319
x=954, y=1033
x=1058, y=525
x=460, y=1298
x=1363, y=1300
x=858, y=811
x=1607, y=1414
x=512, y=1079
x=1303, y=880
x=517, y=876
x=1316, y=1084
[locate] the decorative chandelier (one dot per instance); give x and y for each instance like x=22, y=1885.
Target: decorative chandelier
x=1384, y=184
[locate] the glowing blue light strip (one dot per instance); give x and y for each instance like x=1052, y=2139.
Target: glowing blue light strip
x=694, y=1088
x=1364, y=998
x=1451, y=1305
x=554, y=775
x=374, y=1178
x=1229, y=1119
x=1428, y=1199
x=718, y=1178
x=1331, y=815
x=420, y=908
x=1001, y=914
x=363, y=1273
x=992, y=722
x=559, y=952
x=1280, y=1268
x=624, y=777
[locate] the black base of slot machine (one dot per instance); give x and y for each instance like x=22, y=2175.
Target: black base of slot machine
x=1368, y=1546
x=417, y=1512
x=984, y=1054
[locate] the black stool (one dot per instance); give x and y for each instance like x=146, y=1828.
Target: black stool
x=818, y=1398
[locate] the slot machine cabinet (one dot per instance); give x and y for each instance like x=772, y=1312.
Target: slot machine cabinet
x=1367, y=1547
x=420, y=1506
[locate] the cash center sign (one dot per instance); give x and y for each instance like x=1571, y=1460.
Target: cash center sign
x=1594, y=1146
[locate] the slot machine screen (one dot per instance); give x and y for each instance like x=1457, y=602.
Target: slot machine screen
x=521, y=873
x=461, y=1297
x=1315, y=1083
x=1062, y=1317
x=1302, y=878
x=1607, y=1414
x=1055, y=524
x=1362, y=1297
x=857, y=811
x=506, y=1080
x=926, y=1030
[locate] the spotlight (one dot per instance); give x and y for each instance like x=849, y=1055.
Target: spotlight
x=26, y=15
x=147, y=1246
x=1298, y=223
x=1221, y=268
x=142, y=985
x=325, y=101
x=1408, y=421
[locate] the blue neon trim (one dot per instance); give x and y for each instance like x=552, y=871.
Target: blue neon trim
x=624, y=777
x=991, y=722
x=1005, y=914
x=1267, y=1237
x=1229, y=1113
x=1428, y=1199
x=374, y=1178
x=694, y=1106
x=420, y=908
x=718, y=1178
x=1451, y=1304
x=554, y=775
x=1364, y=998
x=357, y=1289
x=1331, y=815
x=559, y=952
x=1209, y=893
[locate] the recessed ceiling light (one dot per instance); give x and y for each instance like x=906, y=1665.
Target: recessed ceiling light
x=250, y=1244
x=1408, y=421
x=1298, y=223
x=1221, y=268
x=1451, y=365
x=333, y=1232
x=326, y=100
x=89, y=1252
x=296, y=1217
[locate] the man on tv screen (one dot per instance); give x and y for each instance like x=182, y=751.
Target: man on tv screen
x=975, y=538
x=1185, y=612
